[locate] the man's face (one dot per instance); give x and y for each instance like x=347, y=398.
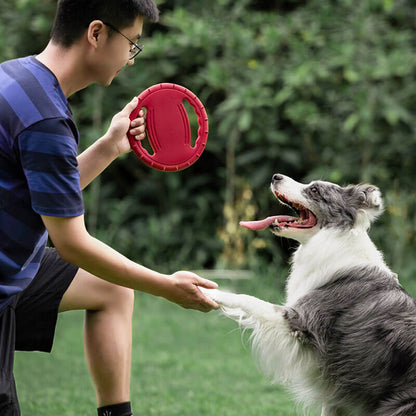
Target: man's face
x=115, y=54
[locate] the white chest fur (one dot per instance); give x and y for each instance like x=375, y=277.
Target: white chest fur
x=317, y=262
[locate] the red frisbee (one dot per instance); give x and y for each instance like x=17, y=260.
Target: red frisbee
x=168, y=128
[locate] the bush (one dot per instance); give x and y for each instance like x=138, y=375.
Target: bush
x=309, y=89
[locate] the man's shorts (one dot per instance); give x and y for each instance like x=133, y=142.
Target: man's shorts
x=28, y=323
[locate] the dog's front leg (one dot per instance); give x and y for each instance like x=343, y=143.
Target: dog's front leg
x=240, y=306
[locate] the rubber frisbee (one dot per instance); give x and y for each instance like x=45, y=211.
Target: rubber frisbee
x=168, y=128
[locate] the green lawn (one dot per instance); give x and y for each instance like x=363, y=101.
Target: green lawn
x=184, y=363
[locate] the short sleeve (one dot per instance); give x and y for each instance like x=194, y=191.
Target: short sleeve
x=48, y=154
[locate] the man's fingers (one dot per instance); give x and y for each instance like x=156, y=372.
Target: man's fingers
x=138, y=135
x=208, y=301
x=208, y=284
x=139, y=122
x=207, y=305
x=130, y=106
x=189, y=286
x=138, y=126
x=212, y=305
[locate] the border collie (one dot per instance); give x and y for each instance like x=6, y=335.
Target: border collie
x=345, y=339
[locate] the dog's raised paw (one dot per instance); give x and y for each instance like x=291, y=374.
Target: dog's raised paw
x=219, y=296
x=211, y=293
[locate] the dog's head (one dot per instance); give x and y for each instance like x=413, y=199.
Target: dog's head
x=320, y=205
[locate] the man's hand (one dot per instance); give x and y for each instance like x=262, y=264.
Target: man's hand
x=120, y=124
x=114, y=143
x=185, y=291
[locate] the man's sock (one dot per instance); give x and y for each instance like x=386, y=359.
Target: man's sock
x=121, y=409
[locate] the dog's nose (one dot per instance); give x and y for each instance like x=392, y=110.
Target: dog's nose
x=277, y=177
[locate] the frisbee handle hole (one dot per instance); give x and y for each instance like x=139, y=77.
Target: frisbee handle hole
x=193, y=121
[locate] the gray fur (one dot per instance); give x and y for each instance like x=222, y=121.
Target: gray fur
x=348, y=329
x=362, y=328
x=336, y=206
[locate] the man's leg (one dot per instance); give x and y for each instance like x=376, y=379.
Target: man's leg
x=107, y=334
x=9, y=405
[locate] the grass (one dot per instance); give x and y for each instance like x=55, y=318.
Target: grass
x=184, y=363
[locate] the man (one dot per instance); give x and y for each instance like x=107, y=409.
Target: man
x=41, y=179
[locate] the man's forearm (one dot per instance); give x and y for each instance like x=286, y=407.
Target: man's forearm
x=94, y=160
x=113, y=144
x=77, y=246
x=101, y=260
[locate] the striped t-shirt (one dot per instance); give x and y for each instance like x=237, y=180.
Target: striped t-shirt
x=38, y=168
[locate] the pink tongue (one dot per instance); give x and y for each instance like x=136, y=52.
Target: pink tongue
x=262, y=224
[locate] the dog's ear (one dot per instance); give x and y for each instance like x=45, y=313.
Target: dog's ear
x=368, y=202
x=371, y=198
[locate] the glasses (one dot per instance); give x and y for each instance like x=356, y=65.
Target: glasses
x=135, y=49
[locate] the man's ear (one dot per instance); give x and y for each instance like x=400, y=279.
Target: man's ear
x=95, y=32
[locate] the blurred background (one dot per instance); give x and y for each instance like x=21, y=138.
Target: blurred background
x=310, y=89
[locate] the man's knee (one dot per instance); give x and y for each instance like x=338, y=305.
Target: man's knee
x=94, y=294
x=121, y=299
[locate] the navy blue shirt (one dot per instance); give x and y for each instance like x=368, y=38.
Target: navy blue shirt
x=38, y=168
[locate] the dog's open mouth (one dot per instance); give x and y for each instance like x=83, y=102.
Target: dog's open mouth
x=306, y=219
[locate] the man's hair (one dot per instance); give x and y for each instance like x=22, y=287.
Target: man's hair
x=74, y=16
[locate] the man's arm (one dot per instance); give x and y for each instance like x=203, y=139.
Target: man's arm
x=115, y=142
x=75, y=245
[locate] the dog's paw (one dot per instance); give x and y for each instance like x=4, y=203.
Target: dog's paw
x=211, y=293
x=218, y=296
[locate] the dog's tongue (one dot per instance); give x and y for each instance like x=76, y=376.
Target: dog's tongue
x=262, y=224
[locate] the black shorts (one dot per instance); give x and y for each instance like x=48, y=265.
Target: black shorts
x=28, y=323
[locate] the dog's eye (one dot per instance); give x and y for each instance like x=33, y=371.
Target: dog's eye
x=314, y=189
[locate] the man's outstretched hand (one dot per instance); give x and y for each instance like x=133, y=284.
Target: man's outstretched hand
x=184, y=290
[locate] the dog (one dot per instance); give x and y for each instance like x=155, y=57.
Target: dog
x=344, y=342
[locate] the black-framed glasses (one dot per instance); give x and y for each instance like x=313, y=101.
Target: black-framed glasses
x=135, y=49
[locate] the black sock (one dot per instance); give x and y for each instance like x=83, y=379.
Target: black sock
x=121, y=409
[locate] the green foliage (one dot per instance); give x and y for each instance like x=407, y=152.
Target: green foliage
x=24, y=26
x=310, y=89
